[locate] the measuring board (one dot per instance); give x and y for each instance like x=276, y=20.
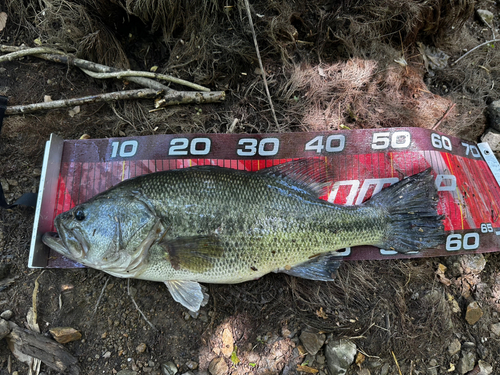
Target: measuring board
x=467, y=175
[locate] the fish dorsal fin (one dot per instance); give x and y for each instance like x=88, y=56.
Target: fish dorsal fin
x=188, y=293
x=323, y=267
x=312, y=175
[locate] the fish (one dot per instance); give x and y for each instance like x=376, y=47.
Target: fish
x=208, y=224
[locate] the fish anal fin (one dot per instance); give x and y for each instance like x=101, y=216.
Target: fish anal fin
x=322, y=267
x=193, y=253
x=313, y=175
x=188, y=293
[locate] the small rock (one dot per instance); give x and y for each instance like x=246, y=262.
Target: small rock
x=5, y=185
x=126, y=372
x=363, y=371
x=192, y=365
x=320, y=360
x=494, y=114
x=13, y=182
x=65, y=334
x=7, y=314
x=486, y=16
x=433, y=367
x=218, y=366
x=385, y=369
x=454, y=347
x=468, y=345
x=141, y=348
x=455, y=308
x=227, y=342
x=372, y=363
x=37, y=172
x=474, y=313
x=312, y=341
x=4, y=328
x=495, y=329
x=466, y=363
x=492, y=136
x=106, y=355
x=482, y=351
x=169, y=368
x=339, y=355
x=484, y=368
x=473, y=263
x=285, y=332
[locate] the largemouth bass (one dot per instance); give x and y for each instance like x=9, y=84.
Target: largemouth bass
x=216, y=225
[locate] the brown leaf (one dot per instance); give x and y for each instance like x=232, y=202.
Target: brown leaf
x=321, y=313
x=440, y=274
x=360, y=358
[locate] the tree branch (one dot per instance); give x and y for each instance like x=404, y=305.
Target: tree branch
x=141, y=78
x=250, y=21
x=475, y=48
x=134, y=73
x=189, y=97
x=163, y=99
x=113, y=96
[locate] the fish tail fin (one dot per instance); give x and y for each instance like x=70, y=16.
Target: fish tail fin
x=411, y=205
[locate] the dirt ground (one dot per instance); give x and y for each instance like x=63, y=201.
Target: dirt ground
x=329, y=65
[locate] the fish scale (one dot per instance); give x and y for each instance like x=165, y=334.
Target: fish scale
x=218, y=225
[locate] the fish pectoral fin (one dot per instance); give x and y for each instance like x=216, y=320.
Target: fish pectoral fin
x=194, y=253
x=188, y=293
x=323, y=267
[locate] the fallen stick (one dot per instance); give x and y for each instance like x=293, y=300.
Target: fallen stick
x=54, y=55
x=142, y=78
x=23, y=343
x=63, y=103
x=250, y=21
x=137, y=306
x=134, y=73
x=170, y=98
x=189, y=97
x=475, y=48
x=444, y=116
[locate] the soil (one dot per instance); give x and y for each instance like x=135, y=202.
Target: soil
x=398, y=313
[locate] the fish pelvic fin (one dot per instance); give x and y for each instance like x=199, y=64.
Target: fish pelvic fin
x=413, y=221
x=193, y=253
x=322, y=267
x=188, y=293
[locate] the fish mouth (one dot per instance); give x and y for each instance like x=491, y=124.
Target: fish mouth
x=68, y=242
x=52, y=240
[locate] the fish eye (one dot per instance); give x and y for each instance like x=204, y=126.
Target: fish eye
x=80, y=215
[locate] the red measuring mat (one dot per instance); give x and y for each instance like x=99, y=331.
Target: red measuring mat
x=363, y=162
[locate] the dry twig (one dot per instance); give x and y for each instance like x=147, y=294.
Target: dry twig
x=249, y=13
x=444, y=116
x=137, y=307
x=112, y=96
x=100, y=297
x=132, y=73
x=475, y=48
x=91, y=68
x=189, y=97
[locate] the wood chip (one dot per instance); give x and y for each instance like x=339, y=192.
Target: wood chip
x=65, y=334
x=309, y=370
